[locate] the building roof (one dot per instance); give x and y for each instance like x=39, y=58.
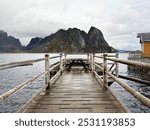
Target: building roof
x=144, y=37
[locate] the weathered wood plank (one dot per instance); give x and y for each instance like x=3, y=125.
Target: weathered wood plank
x=75, y=92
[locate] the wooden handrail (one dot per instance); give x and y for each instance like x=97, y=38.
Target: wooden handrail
x=24, y=84
x=53, y=79
x=54, y=57
x=103, y=80
x=99, y=57
x=112, y=93
x=54, y=66
x=13, y=66
x=135, y=79
x=111, y=55
x=21, y=62
x=135, y=93
x=98, y=66
x=131, y=63
x=106, y=73
x=19, y=87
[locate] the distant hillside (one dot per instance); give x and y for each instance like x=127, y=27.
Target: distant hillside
x=124, y=51
x=35, y=42
x=72, y=40
x=9, y=43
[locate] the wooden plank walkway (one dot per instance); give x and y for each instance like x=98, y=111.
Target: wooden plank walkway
x=75, y=92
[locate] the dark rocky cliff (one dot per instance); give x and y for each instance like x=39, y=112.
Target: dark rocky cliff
x=9, y=43
x=74, y=40
x=35, y=42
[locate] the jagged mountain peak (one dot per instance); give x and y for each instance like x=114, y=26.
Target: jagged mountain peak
x=34, y=42
x=94, y=30
x=9, y=43
x=73, y=29
x=92, y=27
x=74, y=40
x=3, y=34
x=96, y=37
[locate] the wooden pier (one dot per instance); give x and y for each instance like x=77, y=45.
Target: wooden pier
x=75, y=92
x=78, y=85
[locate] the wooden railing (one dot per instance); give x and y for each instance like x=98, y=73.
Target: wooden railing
x=108, y=66
x=48, y=80
x=19, y=63
x=106, y=74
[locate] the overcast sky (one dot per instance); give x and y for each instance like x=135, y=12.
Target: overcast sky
x=119, y=20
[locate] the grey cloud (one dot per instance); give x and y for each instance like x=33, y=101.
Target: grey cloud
x=119, y=20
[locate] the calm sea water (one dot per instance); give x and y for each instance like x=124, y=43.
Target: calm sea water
x=9, y=78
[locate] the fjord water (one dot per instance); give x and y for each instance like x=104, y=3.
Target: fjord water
x=10, y=78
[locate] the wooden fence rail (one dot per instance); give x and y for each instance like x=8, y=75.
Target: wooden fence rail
x=109, y=70
x=48, y=81
x=135, y=93
x=131, y=63
x=19, y=87
x=21, y=62
x=106, y=73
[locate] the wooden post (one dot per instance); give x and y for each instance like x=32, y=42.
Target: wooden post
x=93, y=62
x=88, y=58
x=117, y=65
x=105, y=78
x=61, y=63
x=65, y=56
x=47, y=75
x=129, y=54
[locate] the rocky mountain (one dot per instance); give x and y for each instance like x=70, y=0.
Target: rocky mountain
x=9, y=43
x=35, y=42
x=72, y=40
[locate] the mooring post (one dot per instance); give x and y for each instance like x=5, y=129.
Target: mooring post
x=117, y=65
x=47, y=67
x=61, y=63
x=105, y=78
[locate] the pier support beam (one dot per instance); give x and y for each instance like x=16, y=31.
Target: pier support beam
x=47, y=75
x=105, y=78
